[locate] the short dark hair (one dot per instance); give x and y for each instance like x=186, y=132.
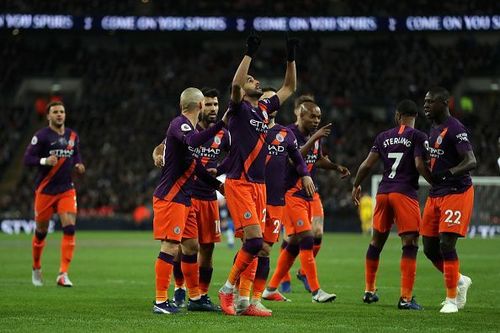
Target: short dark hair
x=407, y=107
x=266, y=89
x=437, y=91
x=210, y=92
x=51, y=104
x=304, y=98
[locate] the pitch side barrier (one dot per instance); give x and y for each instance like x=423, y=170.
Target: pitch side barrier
x=485, y=221
x=40, y=21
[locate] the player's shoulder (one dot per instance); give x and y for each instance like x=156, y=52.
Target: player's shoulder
x=40, y=135
x=181, y=123
x=456, y=125
x=69, y=131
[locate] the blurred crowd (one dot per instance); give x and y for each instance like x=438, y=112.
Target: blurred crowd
x=252, y=7
x=131, y=89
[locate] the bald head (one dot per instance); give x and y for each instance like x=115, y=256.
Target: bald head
x=191, y=98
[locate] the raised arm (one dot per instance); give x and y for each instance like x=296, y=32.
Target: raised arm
x=290, y=82
x=363, y=171
x=240, y=77
x=325, y=163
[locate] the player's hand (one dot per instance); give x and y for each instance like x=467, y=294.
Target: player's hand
x=291, y=47
x=441, y=176
x=323, y=132
x=344, y=172
x=159, y=162
x=308, y=185
x=80, y=168
x=221, y=189
x=51, y=160
x=253, y=43
x=356, y=194
x=212, y=172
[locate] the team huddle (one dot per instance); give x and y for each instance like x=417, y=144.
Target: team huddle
x=269, y=187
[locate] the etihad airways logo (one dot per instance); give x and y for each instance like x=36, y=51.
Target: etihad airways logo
x=435, y=152
x=275, y=150
x=209, y=152
x=61, y=152
x=259, y=126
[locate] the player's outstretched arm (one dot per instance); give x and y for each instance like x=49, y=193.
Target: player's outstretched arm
x=325, y=163
x=240, y=77
x=290, y=82
x=423, y=169
x=323, y=132
x=363, y=171
x=158, y=155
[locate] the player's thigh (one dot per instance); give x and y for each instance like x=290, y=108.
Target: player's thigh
x=44, y=207
x=456, y=212
x=274, y=221
x=169, y=219
x=240, y=203
x=66, y=202
x=191, y=227
x=406, y=213
x=298, y=215
x=429, y=226
x=383, y=217
x=209, y=230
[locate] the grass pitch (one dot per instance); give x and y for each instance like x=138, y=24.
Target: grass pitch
x=113, y=274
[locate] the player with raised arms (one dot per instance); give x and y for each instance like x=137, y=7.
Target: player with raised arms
x=245, y=176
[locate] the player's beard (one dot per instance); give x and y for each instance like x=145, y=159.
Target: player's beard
x=207, y=120
x=254, y=93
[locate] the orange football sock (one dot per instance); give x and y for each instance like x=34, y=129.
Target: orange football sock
x=67, y=249
x=408, y=266
x=451, y=267
x=316, y=248
x=243, y=259
x=261, y=275
x=246, y=279
x=37, y=245
x=163, y=271
x=308, y=264
x=190, y=269
x=285, y=262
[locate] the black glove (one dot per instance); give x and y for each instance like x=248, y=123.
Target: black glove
x=253, y=43
x=441, y=176
x=291, y=47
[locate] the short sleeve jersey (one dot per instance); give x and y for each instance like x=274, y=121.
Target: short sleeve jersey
x=398, y=148
x=54, y=179
x=447, y=142
x=248, y=126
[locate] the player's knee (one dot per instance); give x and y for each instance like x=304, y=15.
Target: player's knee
x=40, y=235
x=265, y=251
x=307, y=243
x=253, y=245
x=293, y=249
x=446, y=246
x=69, y=230
x=318, y=240
x=432, y=253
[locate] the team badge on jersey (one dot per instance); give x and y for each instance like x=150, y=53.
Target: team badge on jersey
x=34, y=140
x=247, y=215
x=177, y=230
x=316, y=144
x=300, y=223
x=264, y=113
x=217, y=140
x=279, y=137
x=71, y=143
x=185, y=128
x=439, y=140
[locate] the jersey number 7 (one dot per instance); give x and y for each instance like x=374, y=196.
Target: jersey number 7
x=397, y=159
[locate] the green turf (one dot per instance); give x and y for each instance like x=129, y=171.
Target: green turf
x=113, y=273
